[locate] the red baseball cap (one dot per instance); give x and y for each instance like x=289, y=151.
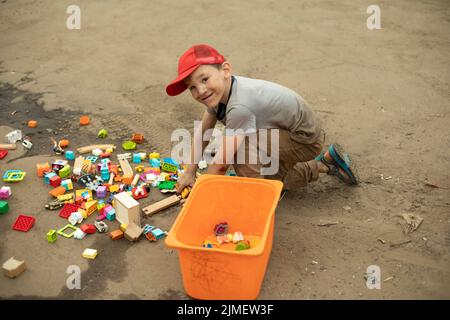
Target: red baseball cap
x=189, y=62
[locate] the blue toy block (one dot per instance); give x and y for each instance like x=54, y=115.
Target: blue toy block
x=155, y=163
x=70, y=155
x=136, y=158
x=171, y=161
x=111, y=216
x=48, y=176
x=101, y=192
x=158, y=233
x=92, y=159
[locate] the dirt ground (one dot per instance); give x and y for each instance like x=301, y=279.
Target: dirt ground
x=383, y=94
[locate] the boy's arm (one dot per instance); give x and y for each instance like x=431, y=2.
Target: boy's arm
x=188, y=178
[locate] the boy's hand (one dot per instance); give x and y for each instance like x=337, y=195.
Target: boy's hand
x=186, y=180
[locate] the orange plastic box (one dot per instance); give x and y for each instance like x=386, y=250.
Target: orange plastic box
x=248, y=205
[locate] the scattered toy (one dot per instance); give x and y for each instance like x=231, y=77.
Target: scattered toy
x=13, y=268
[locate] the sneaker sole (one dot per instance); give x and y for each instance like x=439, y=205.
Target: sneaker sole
x=344, y=161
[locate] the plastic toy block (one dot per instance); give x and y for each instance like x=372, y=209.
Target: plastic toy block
x=88, y=228
x=48, y=176
x=3, y=153
x=136, y=158
x=55, y=181
x=100, y=205
x=65, y=171
x=79, y=193
x=79, y=234
x=158, y=233
x=51, y=236
x=5, y=192
x=105, y=155
x=169, y=167
x=92, y=159
x=101, y=192
x=79, y=200
x=139, y=193
x=97, y=152
x=129, y=145
x=101, y=217
x=111, y=216
x=62, y=232
x=23, y=223
x=116, y=234
x=75, y=217
x=70, y=155
x=137, y=137
x=83, y=213
x=67, y=210
x=102, y=133
x=90, y=207
x=123, y=227
x=58, y=191
x=153, y=155
x=113, y=188
x=155, y=163
x=42, y=168
x=167, y=185
x=127, y=179
x=67, y=184
x=89, y=253
x=133, y=232
x=13, y=175
x=59, y=164
x=4, y=207
x=13, y=268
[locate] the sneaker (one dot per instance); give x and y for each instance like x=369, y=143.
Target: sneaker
x=339, y=164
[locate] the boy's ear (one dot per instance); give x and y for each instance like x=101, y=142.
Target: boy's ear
x=226, y=67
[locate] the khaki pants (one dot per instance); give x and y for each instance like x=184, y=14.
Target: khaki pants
x=297, y=166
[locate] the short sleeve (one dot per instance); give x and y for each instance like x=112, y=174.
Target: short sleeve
x=240, y=117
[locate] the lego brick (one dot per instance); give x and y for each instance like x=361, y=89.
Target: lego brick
x=67, y=210
x=91, y=207
x=58, y=191
x=89, y=253
x=3, y=153
x=101, y=192
x=116, y=234
x=70, y=155
x=79, y=234
x=51, y=236
x=4, y=207
x=55, y=181
x=65, y=171
x=23, y=223
x=113, y=188
x=88, y=228
x=14, y=175
x=13, y=268
x=42, y=168
x=5, y=192
x=62, y=232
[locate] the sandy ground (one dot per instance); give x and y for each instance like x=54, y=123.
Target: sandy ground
x=383, y=94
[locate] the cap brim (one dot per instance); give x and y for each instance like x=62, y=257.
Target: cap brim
x=177, y=86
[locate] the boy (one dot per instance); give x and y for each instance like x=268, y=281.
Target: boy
x=245, y=106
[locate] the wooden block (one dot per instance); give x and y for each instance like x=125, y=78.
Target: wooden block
x=78, y=165
x=133, y=232
x=58, y=191
x=8, y=146
x=12, y=267
x=161, y=205
x=126, y=168
x=116, y=234
x=127, y=209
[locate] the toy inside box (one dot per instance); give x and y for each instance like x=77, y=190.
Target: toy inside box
x=247, y=205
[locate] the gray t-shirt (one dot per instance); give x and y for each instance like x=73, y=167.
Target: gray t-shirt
x=259, y=104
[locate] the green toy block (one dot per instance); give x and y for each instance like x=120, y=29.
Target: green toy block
x=4, y=207
x=64, y=172
x=169, y=167
x=167, y=185
x=51, y=236
x=102, y=133
x=67, y=235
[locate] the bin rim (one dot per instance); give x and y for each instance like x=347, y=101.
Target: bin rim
x=173, y=242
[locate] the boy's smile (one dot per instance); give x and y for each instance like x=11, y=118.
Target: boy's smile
x=210, y=85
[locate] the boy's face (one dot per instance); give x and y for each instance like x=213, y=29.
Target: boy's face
x=209, y=85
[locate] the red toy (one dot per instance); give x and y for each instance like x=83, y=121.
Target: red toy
x=55, y=181
x=3, y=153
x=88, y=228
x=23, y=223
x=67, y=210
x=141, y=194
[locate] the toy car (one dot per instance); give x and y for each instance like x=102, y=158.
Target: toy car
x=53, y=205
x=101, y=226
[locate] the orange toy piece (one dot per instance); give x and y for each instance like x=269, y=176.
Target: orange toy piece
x=60, y=190
x=84, y=120
x=64, y=143
x=32, y=124
x=137, y=137
x=42, y=168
